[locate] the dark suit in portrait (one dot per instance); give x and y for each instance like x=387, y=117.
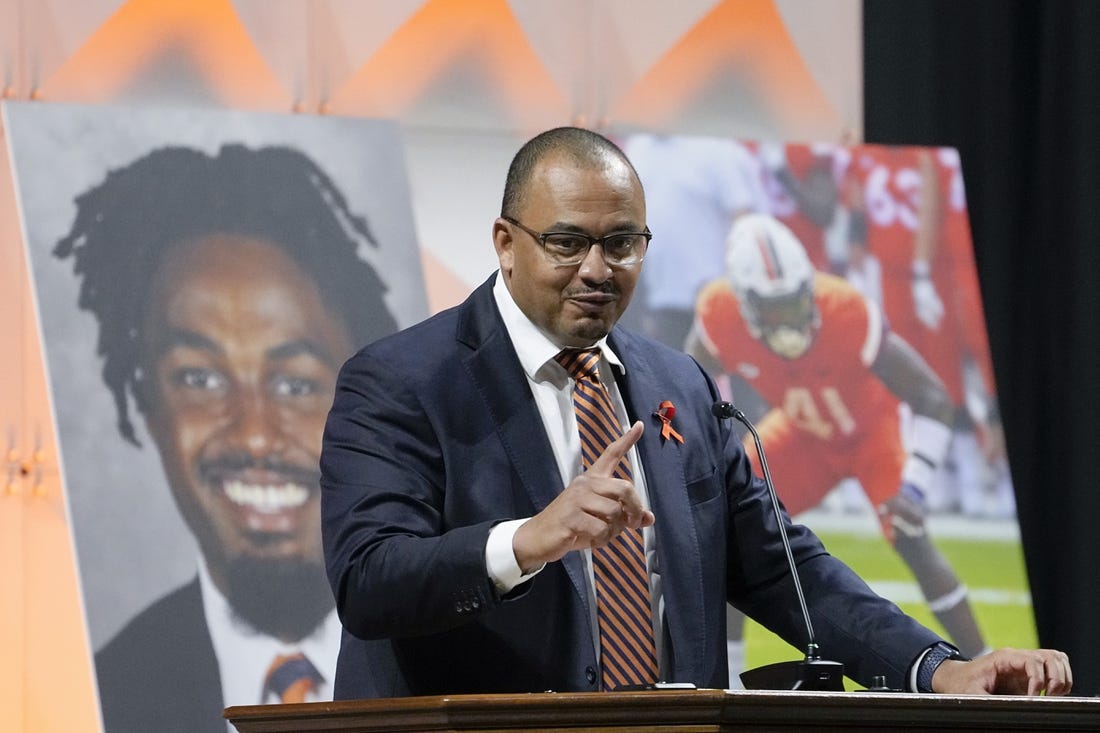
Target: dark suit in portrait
x=183, y=660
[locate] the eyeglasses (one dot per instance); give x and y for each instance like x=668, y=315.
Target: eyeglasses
x=567, y=249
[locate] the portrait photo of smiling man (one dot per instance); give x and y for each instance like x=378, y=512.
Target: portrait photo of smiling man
x=227, y=285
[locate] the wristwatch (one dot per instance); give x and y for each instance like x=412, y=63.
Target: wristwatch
x=937, y=654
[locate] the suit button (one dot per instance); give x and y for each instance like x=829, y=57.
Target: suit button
x=590, y=675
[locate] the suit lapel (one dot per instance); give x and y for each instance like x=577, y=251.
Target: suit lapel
x=494, y=367
x=678, y=547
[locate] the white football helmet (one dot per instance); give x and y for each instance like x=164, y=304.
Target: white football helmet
x=772, y=278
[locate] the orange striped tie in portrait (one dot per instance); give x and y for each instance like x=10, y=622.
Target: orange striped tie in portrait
x=627, y=651
x=291, y=677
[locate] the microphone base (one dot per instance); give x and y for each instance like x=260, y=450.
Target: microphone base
x=818, y=675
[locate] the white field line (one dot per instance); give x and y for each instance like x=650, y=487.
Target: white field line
x=939, y=525
x=903, y=592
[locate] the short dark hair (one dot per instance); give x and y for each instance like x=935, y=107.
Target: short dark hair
x=173, y=195
x=581, y=145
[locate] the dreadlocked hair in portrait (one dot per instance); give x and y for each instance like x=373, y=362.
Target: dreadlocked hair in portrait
x=174, y=195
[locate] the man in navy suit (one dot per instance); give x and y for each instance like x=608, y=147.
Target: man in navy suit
x=459, y=525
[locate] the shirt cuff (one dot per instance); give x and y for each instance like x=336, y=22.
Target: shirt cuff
x=500, y=558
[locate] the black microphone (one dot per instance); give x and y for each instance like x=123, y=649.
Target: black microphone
x=813, y=672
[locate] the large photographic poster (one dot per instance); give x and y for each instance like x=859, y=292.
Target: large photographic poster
x=831, y=291
x=200, y=277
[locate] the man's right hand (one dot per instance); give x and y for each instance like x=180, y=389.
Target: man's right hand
x=589, y=512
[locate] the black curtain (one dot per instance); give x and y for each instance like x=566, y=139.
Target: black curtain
x=1015, y=86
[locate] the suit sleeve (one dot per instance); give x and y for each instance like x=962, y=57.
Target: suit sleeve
x=396, y=567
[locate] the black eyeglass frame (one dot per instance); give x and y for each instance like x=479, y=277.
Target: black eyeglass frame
x=540, y=237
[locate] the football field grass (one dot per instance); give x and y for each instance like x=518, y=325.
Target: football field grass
x=986, y=555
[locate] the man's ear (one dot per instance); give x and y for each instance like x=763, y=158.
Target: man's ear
x=503, y=243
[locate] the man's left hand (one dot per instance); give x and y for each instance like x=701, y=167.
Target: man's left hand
x=1007, y=672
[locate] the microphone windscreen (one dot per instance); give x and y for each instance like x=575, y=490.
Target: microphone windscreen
x=722, y=409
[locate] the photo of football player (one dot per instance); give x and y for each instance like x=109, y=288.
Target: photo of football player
x=695, y=188
x=201, y=275
x=847, y=398
x=910, y=206
x=804, y=186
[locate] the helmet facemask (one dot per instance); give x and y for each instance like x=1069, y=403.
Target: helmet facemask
x=785, y=323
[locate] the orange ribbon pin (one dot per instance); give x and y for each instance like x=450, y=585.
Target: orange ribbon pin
x=665, y=412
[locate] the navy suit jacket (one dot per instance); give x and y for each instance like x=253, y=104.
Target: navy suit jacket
x=160, y=672
x=434, y=437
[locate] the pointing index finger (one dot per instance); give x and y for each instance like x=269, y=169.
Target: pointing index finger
x=605, y=464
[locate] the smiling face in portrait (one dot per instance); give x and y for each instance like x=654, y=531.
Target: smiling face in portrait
x=577, y=305
x=241, y=355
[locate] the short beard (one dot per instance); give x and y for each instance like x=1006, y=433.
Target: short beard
x=286, y=598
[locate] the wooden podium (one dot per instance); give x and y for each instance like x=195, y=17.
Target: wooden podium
x=694, y=711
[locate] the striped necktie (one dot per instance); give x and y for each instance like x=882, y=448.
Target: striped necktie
x=291, y=677
x=625, y=619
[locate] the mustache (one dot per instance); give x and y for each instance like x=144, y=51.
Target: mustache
x=605, y=288
x=215, y=467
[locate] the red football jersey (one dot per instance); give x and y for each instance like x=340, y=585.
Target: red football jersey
x=832, y=418
x=802, y=161
x=829, y=389
x=899, y=186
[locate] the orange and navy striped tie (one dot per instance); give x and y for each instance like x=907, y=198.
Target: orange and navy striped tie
x=627, y=652
x=291, y=677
